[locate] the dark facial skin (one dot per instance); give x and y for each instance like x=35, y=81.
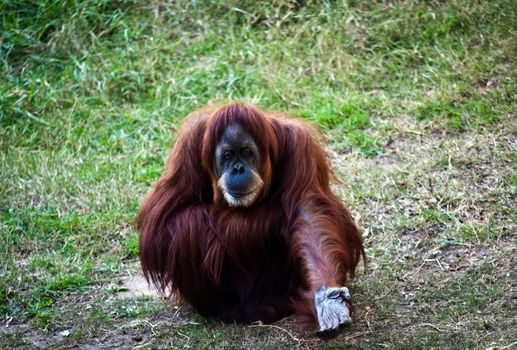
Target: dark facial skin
x=237, y=161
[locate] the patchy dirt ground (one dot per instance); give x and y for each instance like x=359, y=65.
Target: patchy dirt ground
x=135, y=286
x=439, y=225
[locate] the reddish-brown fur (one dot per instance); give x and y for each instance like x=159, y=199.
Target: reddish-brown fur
x=262, y=262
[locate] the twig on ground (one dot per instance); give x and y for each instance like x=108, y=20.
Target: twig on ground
x=368, y=310
x=429, y=325
x=508, y=346
x=261, y=325
x=350, y=337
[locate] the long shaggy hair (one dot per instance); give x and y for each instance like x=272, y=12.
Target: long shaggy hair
x=259, y=262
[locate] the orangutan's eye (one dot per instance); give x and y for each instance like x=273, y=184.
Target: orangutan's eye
x=228, y=155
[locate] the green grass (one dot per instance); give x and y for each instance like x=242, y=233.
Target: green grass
x=417, y=102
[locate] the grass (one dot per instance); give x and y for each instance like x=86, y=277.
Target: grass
x=417, y=102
